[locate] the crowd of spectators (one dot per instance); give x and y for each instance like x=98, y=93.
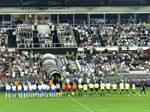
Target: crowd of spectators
x=88, y=63
x=19, y=65
x=28, y=37
x=76, y=67
x=65, y=35
x=46, y=40
x=3, y=38
x=114, y=35
x=85, y=35
x=25, y=39
x=114, y=62
x=125, y=35
x=24, y=28
x=105, y=63
x=61, y=35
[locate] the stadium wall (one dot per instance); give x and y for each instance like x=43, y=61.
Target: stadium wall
x=49, y=50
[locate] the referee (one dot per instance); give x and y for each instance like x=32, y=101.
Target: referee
x=143, y=88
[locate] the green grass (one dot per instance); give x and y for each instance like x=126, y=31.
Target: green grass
x=78, y=104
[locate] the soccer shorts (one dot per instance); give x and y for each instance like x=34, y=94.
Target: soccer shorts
x=44, y=90
x=69, y=90
x=122, y=90
x=102, y=89
x=19, y=91
x=143, y=89
x=96, y=89
x=40, y=91
x=63, y=90
x=108, y=89
x=25, y=91
x=53, y=91
x=74, y=90
x=57, y=90
x=48, y=91
x=85, y=91
x=127, y=89
x=114, y=89
x=14, y=92
x=91, y=89
x=7, y=91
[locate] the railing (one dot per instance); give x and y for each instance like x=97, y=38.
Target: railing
x=39, y=77
x=135, y=73
x=131, y=35
x=43, y=45
x=124, y=48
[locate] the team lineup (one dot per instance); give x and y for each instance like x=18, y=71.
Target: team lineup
x=58, y=90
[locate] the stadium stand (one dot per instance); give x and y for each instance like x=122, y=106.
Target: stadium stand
x=19, y=65
x=87, y=42
x=74, y=55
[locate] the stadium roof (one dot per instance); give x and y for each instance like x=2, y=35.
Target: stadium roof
x=75, y=10
x=49, y=3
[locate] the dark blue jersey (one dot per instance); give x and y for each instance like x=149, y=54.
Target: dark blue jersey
x=142, y=85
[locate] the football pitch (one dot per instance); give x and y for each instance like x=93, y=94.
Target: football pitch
x=78, y=104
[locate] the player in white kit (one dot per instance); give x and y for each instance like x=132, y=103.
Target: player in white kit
x=39, y=90
x=8, y=87
x=34, y=90
x=30, y=90
x=53, y=87
x=20, y=91
x=47, y=90
x=25, y=87
x=44, y=90
x=13, y=91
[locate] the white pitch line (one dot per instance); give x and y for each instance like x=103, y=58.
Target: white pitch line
x=89, y=110
x=71, y=111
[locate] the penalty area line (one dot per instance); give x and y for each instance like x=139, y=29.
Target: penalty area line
x=89, y=110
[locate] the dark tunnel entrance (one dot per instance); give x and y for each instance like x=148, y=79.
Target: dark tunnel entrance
x=56, y=77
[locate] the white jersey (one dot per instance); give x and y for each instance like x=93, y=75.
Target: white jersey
x=47, y=87
x=80, y=80
x=39, y=87
x=34, y=87
x=53, y=87
x=19, y=87
x=44, y=86
x=25, y=87
x=8, y=87
x=30, y=88
x=14, y=88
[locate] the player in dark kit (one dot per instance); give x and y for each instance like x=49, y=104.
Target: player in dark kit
x=143, y=88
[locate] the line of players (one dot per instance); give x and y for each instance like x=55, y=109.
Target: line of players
x=43, y=90
x=124, y=89
x=34, y=90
